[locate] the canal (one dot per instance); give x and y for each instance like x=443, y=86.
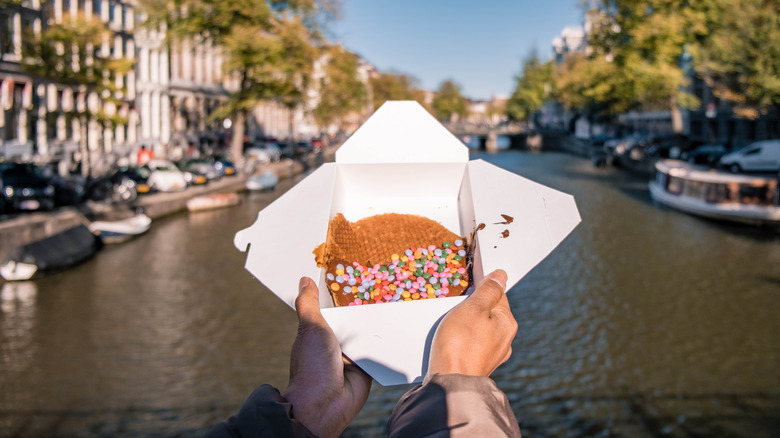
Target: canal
x=643, y=322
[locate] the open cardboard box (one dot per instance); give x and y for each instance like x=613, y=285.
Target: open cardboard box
x=403, y=161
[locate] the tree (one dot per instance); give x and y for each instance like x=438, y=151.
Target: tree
x=740, y=59
x=449, y=101
x=592, y=86
x=395, y=86
x=341, y=90
x=269, y=46
x=646, y=39
x=68, y=54
x=533, y=89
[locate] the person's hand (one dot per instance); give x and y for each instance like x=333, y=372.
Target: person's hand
x=326, y=389
x=475, y=337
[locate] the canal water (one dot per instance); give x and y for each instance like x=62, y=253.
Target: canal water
x=643, y=322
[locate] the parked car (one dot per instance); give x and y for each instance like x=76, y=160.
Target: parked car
x=258, y=155
x=120, y=184
x=760, y=156
x=68, y=190
x=23, y=187
x=224, y=165
x=708, y=154
x=302, y=148
x=198, y=170
x=164, y=176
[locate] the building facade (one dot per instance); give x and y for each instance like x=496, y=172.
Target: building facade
x=165, y=102
x=47, y=122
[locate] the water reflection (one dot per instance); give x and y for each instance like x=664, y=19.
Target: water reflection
x=17, y=306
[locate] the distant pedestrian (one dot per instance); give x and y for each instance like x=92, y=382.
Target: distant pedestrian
x=144, y=155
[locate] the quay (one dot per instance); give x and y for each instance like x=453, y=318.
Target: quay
x=28, y=227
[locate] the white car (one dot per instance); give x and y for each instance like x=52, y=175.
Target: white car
x=164, y=176
x=760, y=156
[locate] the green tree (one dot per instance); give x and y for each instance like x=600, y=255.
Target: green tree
x=740, y=58
x=592, y=86
x=395, y=86
x=646, y=39
x=341, y=90
x=268, y=45
x=449, y=101
x=69, y=54
x=533, y=89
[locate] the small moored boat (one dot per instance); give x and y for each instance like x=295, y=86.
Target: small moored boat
x=57, y=251
x=121, y=230
x=265, y=181
x=210, y=202
x=715, y=194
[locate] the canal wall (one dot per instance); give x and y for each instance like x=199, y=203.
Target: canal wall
x=30, y=227
x=25, y=228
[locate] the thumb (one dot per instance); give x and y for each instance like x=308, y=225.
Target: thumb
x=489, y=291
x=307, y=304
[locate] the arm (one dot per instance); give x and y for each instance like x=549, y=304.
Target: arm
x=264, y=414
x=457, y=397
x=326, y=390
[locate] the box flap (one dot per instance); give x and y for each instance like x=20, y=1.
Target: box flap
x=279, y=244
x=402, y=132
x=524, y=220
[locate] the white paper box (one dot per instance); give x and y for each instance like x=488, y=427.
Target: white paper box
x=403, y=161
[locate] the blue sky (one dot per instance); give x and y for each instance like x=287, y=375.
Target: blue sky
x=478, y=44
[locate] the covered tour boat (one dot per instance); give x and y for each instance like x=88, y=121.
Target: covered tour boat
x=716, y=194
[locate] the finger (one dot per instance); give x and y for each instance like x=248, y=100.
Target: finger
x=489, y=291
x=307, y=304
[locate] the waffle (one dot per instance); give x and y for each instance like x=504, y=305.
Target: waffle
x=392, y=257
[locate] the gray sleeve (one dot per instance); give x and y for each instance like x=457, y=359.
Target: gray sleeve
x=453, y=405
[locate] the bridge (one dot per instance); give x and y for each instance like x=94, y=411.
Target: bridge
x=493, y=138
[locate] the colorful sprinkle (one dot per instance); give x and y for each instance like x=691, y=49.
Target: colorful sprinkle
x=420, y=273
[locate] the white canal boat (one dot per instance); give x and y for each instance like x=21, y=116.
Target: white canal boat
x=716, y=194
x=117, y=231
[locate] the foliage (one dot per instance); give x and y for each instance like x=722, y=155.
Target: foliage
x=532, y=90
x=7, y=4
x=395, y=86
x=341, y=90
x=740, y=58
x=269, y=46
x=449, y=101
x=636, y=48
x=593, y=86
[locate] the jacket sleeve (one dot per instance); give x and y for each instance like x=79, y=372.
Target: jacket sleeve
x=454, y=405
x=264, y=414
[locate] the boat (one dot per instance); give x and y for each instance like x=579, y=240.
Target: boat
x=58, y=251
x=265, y=181
x=699, y=190
x=121, y=230
x=210, y=202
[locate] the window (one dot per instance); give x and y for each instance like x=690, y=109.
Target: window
x=6, y=33
x=28, y=35
x=97, y=7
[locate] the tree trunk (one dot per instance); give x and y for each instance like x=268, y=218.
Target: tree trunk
x=237, y=142
x=677, y=124
x=86, y=165
x=291, y=122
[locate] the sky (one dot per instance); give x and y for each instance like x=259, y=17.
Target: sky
x=480, y=45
